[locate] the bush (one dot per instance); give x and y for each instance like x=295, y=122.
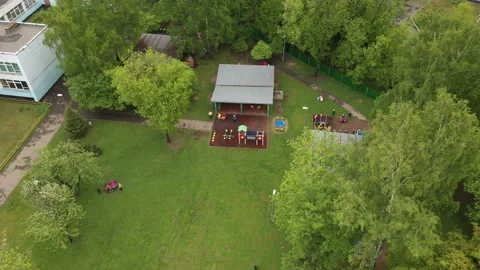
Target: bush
x=240, y=45
x=261, y=51
x=75, y=125
x=97, y=151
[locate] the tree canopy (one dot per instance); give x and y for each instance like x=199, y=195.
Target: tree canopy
x=12, y=258
x=159, y=87
x=261, y=51
x=67, y=164
x=56, y=215
x=343, y=204
x=443, y=54
x=91, y=37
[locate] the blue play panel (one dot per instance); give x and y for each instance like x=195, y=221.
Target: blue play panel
x=280, y=124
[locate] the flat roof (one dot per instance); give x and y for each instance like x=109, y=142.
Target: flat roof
x=3, y=2
x=245, y=75
x=343, y=138
x=244, y=84
x=11, y=41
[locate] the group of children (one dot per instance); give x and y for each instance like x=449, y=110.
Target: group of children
x=112, y=186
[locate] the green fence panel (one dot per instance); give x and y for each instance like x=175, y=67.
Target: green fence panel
x=313, y=63
x=347, y=81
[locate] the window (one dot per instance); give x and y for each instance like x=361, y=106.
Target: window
x=15, y=12
x=9, y=67
x=14, y=84
x=29, y=3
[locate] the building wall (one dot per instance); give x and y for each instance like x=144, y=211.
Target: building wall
x=39, y=66
x=26, y=12
x=11, y=58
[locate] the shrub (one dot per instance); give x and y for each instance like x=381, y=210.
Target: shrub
x=75, y=125
x=97, y=151
x=261, y=51
x=240, y=45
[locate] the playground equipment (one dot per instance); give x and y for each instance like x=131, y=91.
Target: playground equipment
x=242, y=134
x=343, y=118
x=228, y=134
x=254, y=135
x=221, y=116
x=320, y=121
x=280, y=124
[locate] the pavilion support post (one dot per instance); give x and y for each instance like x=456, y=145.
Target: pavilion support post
x=241, y=109
x=215, y=104
x=268, y=110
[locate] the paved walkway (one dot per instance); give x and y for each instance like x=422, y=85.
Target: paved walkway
x=311, y=83
x=14, y=172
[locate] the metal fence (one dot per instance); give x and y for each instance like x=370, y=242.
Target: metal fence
x=335, y=74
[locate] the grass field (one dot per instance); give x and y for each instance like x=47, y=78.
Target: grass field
x=360, y=102
x=16, y=119
x=190, y=206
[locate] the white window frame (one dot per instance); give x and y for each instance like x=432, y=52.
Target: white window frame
x=14, y=85
x=7, y=67
x=29, y=3
x=15, y=12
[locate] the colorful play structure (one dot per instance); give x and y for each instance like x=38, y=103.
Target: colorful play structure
x=280, y=124
x=221, y=116
x=228, y=134
x=254, y=135
x=320, y=121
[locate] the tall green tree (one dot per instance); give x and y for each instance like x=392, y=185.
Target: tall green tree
x=56, y=215
x=338, y=31
x=158, y=86
x=91, y=37
x=67, y=164
x=12, y=258
x=198, y=26
x=389, y=190
x=304, y=207
x=443, y=54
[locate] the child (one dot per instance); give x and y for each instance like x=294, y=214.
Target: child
x=120, y=186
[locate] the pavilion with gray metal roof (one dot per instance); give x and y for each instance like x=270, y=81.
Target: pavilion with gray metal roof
x=244, y=84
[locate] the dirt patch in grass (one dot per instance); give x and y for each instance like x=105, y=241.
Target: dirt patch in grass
x=213, y=79
x=291, y=64
x=175, y=144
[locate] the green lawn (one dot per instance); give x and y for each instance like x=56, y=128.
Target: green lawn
x=16, y=119
x=186, y=207
x=362, y=103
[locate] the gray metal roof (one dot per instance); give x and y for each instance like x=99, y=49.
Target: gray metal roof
x=244, y=84
x=20, y=35
x=158, y=42
x=243, y=95
x=343, y=138
x=245, y=75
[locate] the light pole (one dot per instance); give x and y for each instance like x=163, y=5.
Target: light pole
x=305, y=120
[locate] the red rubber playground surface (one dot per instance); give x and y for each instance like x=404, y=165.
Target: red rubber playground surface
x=253, y=122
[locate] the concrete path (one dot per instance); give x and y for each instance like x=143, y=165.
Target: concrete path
x=14, y=172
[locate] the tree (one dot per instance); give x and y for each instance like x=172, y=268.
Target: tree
x=67, y=164
x=337, y=31
x=199, y=26
x=56, y=215
x=75, y=125
x=11, y=258
x=304, y=206
x=457, y=252
x=389, y=190
x=443, y=54
x=91, y=37
x=158, y=86
x=261, y=51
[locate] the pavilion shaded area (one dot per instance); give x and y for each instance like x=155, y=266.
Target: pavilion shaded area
x=244, y=89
